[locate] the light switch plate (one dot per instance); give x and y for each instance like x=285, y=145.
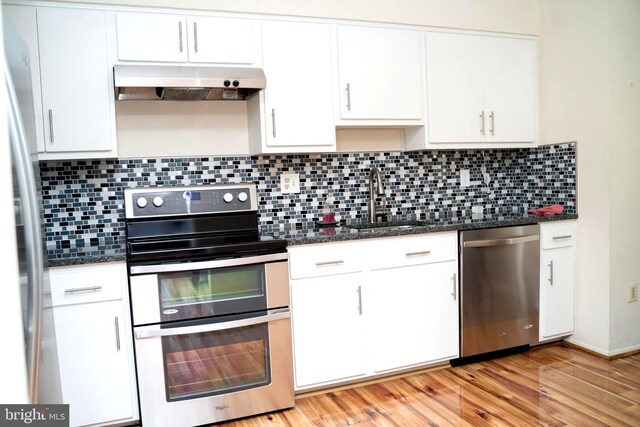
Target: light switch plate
x=289, y=183
x=465, y=180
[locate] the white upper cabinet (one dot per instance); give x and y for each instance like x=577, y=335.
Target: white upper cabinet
x=151, y=37
x=76, y=90
x=174, y=38
x=297, y=110
x=221, y=40
x=380, y=74
x=70, y=80
x=480, y=89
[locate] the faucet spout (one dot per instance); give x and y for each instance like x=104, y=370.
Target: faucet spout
x=375, y=212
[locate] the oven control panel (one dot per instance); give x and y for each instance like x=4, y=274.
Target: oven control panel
x=192, y=200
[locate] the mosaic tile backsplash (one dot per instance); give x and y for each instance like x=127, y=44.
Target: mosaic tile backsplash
x=84, y=205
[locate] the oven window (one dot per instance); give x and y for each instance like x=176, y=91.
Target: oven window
x=210, y=363
x=213, y=285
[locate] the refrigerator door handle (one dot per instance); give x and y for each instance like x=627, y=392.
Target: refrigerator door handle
x=33, y=236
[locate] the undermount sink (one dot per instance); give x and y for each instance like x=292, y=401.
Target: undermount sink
x=369, y=227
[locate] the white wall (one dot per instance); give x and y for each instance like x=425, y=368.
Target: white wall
x=624, y=110
x=574, y=80
x=590, y=63
x=508, y=16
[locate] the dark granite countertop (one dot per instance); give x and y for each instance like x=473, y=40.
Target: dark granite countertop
x=90, y=255
x=307, y=233
x=310, y=232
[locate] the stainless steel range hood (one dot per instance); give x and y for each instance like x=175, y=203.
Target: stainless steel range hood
x=185, y=83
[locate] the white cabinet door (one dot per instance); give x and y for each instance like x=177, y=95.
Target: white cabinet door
x=509, y=89
x=23, y=19
x=221, y=40
x=75, y=79
x=480, y=89
x=455, y=88
x=297, y=57
x=151, y=37
x=380, y=73
x=94, y=364
x=556, y=292
x=328, y=336
x=412, y=315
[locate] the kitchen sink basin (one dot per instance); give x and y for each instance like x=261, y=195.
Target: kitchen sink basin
x=372, y=227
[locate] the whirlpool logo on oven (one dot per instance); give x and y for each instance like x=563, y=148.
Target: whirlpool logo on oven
x=170, y=311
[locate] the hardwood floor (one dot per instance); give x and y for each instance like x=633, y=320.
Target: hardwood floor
x=549, y=385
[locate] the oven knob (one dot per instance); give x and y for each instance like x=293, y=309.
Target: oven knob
x=157, y=201
x=141, y=202
x=243, y=197
x=228, y=197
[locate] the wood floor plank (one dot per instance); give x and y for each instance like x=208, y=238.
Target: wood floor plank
x=549, y=385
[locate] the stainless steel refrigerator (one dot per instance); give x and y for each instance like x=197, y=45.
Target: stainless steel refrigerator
x=40, y=350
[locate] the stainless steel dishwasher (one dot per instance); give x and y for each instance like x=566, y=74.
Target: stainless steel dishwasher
x=499, y=287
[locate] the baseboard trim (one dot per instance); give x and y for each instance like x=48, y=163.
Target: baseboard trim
x=629, y=351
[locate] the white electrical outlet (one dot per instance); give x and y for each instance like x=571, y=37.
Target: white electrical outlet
x=465, y=180
x=289, y=183
x=633, y=292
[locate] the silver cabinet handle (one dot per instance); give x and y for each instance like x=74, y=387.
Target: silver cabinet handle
x=195, y=37
x=51, y=138
x=273, y=122
x=329, y=263
x=492, y=116
x=550, y=279
x=481, y=122
x=155, y=331
x=180, y=35
x=348, y=89
x=500, y=242
x=454, y=289
x=87, y=289
x=418, y=253
x=117, y=334
x=566, y=236
x=360, y=300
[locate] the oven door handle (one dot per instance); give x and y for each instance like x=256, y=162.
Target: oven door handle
x=155, y=331
x=201, y=265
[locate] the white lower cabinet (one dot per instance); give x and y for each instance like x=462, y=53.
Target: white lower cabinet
x=557, y=265
x=413, y=315
x=94, y=343
x=371, y=307
x=328, y=329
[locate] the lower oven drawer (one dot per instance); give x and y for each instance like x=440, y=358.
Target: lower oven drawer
x=192, y=374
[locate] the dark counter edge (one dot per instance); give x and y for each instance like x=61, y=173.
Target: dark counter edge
x=321, y=235
x=302, y=236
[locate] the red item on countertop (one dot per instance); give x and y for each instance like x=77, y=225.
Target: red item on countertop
x=547, y=210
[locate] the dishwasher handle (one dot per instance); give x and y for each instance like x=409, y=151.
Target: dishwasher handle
x=501, y=242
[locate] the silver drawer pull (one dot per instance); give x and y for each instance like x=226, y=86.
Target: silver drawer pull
x=329, y=263
x=566, y=236
x=117, y=325
x=87, y=289
x=420, y=253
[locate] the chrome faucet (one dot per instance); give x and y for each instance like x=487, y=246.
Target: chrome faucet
x=375, y=211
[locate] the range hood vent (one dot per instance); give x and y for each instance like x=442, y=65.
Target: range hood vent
x=183, y=83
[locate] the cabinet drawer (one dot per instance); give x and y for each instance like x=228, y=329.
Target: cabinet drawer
x=412, y=250
x=558, y=234
x=324, y=259
x=77, y=285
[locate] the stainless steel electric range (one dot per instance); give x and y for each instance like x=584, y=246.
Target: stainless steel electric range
x=210, y=306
